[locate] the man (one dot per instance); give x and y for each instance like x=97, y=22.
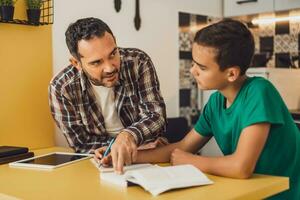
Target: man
x=106, y=92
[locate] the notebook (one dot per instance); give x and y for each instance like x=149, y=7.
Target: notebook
x=6, y=151
x=126, y=168
x=16, y=157
x=156, y=179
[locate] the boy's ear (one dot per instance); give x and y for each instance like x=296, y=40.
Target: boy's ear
x=75, y=62
x=233, y=73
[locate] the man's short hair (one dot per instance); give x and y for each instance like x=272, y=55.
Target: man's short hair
x=232, y=40
x=84, y=29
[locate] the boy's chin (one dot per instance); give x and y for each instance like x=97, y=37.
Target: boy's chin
x=202, y=87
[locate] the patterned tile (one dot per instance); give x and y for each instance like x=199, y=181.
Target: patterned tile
x=201, y=19
x=266, y=30
x=294, y=27
x=184, y=74
x=193, y=21
x=186, y=112
x=255, y=33
x=185, y=97
x=259, y=60
x=185, y=41
x=285, y=43
x=294, y=59
x=184, y=19
x=266, y=44
x=294, y=22
x=195, y=116
x=282, y=27
x=282, y=60
x=187, y=55
x=271, y=62
x=194, y=97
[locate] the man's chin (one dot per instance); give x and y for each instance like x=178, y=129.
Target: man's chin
x=110, y=84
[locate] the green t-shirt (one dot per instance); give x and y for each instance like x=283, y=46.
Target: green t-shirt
x=257, y=101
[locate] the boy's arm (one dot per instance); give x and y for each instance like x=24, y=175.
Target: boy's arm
x=240, y=164
x=192, y=142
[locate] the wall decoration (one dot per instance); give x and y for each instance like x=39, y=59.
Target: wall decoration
x=118, y=4
x=137, y=17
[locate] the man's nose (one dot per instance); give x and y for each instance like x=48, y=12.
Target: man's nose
x=109, y=69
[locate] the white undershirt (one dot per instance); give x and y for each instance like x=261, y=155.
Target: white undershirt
x=106, y=100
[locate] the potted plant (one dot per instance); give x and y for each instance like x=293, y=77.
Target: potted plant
x=34, y=11
x=7, y=9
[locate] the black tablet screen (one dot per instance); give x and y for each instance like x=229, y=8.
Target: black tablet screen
x=54, y=159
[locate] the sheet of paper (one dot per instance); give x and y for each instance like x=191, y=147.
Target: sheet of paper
x=126, y=168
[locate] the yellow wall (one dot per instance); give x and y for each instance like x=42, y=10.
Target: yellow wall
x=25, y=71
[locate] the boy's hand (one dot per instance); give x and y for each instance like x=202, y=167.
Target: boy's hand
x=179, y=157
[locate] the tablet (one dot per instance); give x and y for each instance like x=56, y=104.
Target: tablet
x=51, y=160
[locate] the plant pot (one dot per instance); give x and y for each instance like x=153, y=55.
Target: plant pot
x=33, y=16
x=7, y=13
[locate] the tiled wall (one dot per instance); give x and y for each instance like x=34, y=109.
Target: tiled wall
x=276, y=45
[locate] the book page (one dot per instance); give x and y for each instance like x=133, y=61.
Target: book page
x=126, y=168
x=160, y=179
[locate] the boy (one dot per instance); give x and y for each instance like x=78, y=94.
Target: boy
x=247, y=116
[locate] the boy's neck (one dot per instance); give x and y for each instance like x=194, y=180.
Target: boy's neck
x=231, y=91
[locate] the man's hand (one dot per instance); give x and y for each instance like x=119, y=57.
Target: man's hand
x=179, y=157
x=105, y=161
x=123, y=151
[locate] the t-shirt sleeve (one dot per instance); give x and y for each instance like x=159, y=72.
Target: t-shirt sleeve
x=203, y=125
x=263, y=103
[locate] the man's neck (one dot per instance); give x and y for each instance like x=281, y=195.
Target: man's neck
x=231, y=91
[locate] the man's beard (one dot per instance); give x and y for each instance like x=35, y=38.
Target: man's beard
x=100, y=82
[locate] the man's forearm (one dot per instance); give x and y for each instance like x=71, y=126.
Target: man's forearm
x=147, y=128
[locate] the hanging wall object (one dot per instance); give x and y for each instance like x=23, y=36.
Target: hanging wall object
x=137, y=18
x=118, y=5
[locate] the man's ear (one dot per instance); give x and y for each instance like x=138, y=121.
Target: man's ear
x=75, y=62
x=233, y=73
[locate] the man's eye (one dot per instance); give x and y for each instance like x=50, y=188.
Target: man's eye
x=113, y=54
x=96, y=63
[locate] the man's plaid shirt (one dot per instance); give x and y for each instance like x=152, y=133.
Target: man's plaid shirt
x=139, y=103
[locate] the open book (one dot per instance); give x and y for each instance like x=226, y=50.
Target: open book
x=156, y=179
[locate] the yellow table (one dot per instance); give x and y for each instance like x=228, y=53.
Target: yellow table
x=81, y=181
